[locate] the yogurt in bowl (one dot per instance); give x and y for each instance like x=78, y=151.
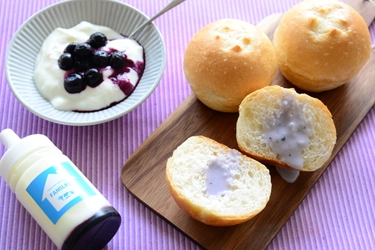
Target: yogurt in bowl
x=116, y=82
x=120, y=17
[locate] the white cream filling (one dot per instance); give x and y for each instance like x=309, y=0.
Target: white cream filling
x=219, y=173
x=287, y=132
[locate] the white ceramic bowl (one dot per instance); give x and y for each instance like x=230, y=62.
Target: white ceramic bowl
x=27, y=41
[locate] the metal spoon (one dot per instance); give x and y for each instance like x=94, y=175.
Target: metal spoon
x=166, y=8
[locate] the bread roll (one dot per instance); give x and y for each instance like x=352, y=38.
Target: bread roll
x=321, y=44
x=285, y=129
x=226, y=60
x=217, y=185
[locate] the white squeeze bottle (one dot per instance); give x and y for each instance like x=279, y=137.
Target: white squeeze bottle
x=71, y=211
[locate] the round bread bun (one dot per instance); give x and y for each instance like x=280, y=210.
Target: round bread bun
x=280, y=127
x=217, y=185
x=226, y=60
x=321, y=44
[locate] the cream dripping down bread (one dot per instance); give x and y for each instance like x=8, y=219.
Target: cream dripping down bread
x=217, y=185
x=226, y=60
x=280, y=127
x=321, y=44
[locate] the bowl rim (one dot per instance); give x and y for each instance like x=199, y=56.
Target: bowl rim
x=96, y=120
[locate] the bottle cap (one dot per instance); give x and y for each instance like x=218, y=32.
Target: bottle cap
x=8, y=137
x=18, y=149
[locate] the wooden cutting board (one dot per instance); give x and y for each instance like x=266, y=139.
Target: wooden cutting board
x=144, y=172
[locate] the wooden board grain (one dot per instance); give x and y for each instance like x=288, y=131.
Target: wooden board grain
x=144, y=172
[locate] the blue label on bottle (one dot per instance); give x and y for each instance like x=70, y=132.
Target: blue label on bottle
x=57, y=189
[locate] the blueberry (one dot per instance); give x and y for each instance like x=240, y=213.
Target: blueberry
x=100, y=58
x=117, y=60
x=97, y=40
x=83, y=51
x=74, y=83
x=70, y=48
x=82, y=66
x=93, y=77
x=66, y=61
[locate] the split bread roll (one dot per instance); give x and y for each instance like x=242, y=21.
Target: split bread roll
x=217, y=185
x=321, y=44
x=226, y=60
x=280, y=127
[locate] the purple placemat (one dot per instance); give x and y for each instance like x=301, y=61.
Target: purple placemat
x=339, y=212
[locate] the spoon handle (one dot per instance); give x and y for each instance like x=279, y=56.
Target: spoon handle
x=166, y=8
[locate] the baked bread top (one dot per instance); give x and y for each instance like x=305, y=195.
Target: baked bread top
x=226, y=60
x=321, y=44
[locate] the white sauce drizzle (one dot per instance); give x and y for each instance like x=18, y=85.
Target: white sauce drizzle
x=287, y=132
x=220, y=172
x=288, y=175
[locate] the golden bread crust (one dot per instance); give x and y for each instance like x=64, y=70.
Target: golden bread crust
x=226, y=60
x=321, y=44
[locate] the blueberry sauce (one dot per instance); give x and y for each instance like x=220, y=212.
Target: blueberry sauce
x=91, y=61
